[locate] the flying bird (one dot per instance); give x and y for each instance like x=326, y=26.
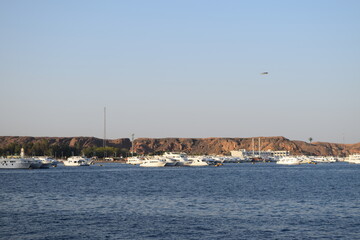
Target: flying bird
x=264, y=73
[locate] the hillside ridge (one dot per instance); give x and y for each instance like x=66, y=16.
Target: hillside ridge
x=194, y=145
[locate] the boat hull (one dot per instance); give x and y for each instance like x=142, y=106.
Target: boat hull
x=10, y=164
x=77, y=161
x=46, y=165
x=72, y=164
x=153, y=164
x=288, y=163
x=198, y=164
x=36, y=164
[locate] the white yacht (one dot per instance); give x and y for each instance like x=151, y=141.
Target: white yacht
x=169, y=162
x=18, y=162
x=35, y=163
x=305, y=159
x=134, y=160
x=180, y=158
x=76, y=161
x=46, y=162
x=198, y=162
x=324, y=159
x=15, y=163
x=354, y=158
x=288, y=160
x=210, y=160
x=153, y=162
x=332, y=159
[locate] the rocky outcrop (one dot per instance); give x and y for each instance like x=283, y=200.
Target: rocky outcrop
x=82, y=142
x=225, y=145
x=193, y=145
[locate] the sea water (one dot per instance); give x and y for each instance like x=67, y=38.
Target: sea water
x=234, y=201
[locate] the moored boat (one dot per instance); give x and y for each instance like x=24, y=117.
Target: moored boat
x=354, y=158
x=76, y=161
x=169, y=162
x=198, y=162
x=180, y=158
x=35, y=163
x=19, y=162
x=15, y=163
x=289, y=161
x=134, y=160
x=153, y=162
x=46, y=162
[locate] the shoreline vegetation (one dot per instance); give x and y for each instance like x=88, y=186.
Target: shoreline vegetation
x=62, y=147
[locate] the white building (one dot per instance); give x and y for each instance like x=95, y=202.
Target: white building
x=243, y=153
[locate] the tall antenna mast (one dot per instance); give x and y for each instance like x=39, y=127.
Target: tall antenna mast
x=253, y=150
x=259, y=148
x=104, y=142
x=132, y=144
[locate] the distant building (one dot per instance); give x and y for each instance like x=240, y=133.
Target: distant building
x=243, y=153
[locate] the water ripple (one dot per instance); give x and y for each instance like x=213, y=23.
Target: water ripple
x=236, y=201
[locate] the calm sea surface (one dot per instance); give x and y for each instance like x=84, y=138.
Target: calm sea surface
x=235, y=201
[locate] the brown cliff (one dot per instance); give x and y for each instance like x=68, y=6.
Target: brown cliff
x=225, y=145
x=193, y=145
x=82, y=142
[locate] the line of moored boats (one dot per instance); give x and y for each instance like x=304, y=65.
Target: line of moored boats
x=22, y=162
x=25, y=162
x=181, y=159
x=169, y=159
x=296, y=160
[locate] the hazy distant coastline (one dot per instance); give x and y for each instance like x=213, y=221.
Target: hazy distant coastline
x=10, y=144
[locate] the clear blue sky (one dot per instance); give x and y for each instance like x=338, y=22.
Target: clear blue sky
x=182, y=68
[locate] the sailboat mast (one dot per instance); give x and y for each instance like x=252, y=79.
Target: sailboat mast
x=104, y=142
x=253, y=147
x=259, y=148
x=132, y=144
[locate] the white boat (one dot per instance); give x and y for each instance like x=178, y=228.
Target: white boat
x=35, y=163
x=169, y=162
x=288, y=160
x=198, y=162
x=15, y=163
x=180, y=158
x=46, y=162
x=324, y=159
x=305, y=159
x=153, y=162
x=354, y=158
x=134, y=160
x=231, y=160
x=332, y=159
x=210, y=160
x=76, y=161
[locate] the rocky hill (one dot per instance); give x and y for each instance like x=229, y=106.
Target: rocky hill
x=225, y=145
x=83, y=142
x=194, y=145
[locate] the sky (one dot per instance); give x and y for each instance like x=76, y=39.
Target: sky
x=181, y=68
